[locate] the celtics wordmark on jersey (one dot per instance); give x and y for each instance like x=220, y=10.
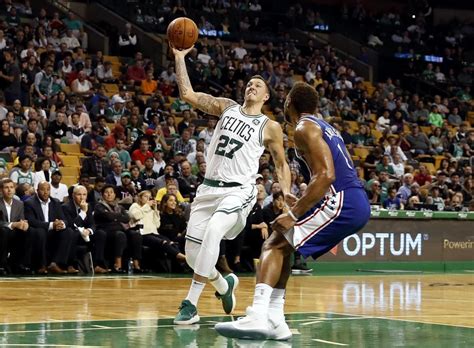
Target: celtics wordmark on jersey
x=235, y=149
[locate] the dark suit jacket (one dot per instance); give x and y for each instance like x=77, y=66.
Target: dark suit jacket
x=89, y=167
x=110, y=179
x=107, y=219
x=34, y=213
x=16, y=214
x=73, y=218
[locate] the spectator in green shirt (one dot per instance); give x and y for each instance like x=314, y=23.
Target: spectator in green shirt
x=385, y=166
x=435, y=118
x=428, y=74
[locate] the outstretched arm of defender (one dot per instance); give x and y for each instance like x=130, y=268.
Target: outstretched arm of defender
x=310, y=143
x=273, y=140
x=204, y=102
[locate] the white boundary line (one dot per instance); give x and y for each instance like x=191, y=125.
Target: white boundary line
x=329, y=342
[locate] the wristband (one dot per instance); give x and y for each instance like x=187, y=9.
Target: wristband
x=290, y=214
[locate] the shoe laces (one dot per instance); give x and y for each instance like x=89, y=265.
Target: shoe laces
x=250, y=314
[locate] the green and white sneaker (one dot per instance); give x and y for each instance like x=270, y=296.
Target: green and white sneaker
x=228, y=299
x=187, y=314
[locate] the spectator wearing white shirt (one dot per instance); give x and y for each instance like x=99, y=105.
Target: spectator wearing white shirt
x=398, y=166
x=383, y=122
x=3, y=41
x=58, y=189
x=254, y=6
x=240, y=51
x=127, y=41
x=311, y=73
x=104, y=72
x=169, y=75
x=70, y=40
x=208, y=132
x=204, y=57
x=343, y=83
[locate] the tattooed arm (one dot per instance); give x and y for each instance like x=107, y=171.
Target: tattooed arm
x=204, y=102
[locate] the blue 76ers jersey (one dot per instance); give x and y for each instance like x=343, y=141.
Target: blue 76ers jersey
x=346, y=176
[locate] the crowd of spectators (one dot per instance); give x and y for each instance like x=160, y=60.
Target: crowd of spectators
x=143, y=149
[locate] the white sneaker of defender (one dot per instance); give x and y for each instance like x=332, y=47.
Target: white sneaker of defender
x=279, y=331
x=253, y=326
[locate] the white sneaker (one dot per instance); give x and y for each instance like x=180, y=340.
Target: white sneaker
x=279, y=331
x=253, y=326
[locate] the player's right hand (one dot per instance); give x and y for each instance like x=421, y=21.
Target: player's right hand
x=180, y=53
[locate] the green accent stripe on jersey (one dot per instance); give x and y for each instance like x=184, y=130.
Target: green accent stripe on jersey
x=260, y=133
x=234, y=209
x=227, y=108
x=247, y=115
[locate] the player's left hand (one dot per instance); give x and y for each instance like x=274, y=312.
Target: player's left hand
x=290, y=199
x=283, y=223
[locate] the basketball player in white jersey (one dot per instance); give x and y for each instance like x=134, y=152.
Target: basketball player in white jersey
x=228, y=193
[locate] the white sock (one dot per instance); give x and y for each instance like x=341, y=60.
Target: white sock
x=195, y=292
x=277, y=304
x=261, y=299
x=220, y=284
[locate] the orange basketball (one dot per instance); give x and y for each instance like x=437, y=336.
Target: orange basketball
x=182, y=33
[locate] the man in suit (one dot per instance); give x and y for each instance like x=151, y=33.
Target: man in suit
x=79, y=217
x=46, y=217
x=115, y=177
x=96, y=165
x=14, y=229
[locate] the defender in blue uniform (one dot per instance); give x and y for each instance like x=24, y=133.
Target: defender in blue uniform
x=333, y=207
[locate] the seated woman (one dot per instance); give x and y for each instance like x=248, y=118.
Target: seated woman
x=145, y=217
x=110, y=217
x=173, y=223
x=42, y=171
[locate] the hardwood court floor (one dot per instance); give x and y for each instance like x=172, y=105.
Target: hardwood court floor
x=415, y=310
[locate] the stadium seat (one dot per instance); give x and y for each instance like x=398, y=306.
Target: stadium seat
x=354, y=125
x=70, y=148
x=426, y=129
x=70, y=171
x=69, y=180
x=73, y=161
x=430, y=167
x=376, y=134
x=361, y=152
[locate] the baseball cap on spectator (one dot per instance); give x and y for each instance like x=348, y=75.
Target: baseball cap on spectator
x=57, y=172
x=126, y=173
x=441, y=172
x=155, y=100
x=180, y=153
x=150, y=131
x=117, y=99
x=259, y=176
x=158, y=148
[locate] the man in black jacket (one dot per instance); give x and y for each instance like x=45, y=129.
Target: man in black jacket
x=46, y=217
x=79, y=217
x=96, y=165
x=14, y=229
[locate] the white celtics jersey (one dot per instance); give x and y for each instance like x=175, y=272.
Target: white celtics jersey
x=236, y=146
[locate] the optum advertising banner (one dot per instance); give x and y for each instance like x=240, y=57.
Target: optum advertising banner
x=407, y=240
